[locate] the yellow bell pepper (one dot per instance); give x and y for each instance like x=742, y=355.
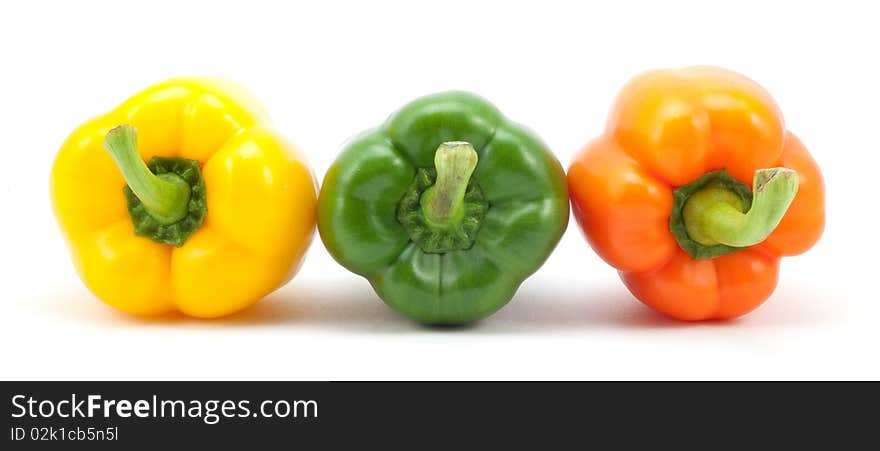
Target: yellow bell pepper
x=222, y=217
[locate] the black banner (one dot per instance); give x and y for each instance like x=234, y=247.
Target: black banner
x=118, y=415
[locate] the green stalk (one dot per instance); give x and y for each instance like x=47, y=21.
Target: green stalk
x=164, y=196
x=443, y=203
x=715, y=215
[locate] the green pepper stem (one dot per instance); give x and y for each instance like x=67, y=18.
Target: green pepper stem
x=443, y=203
x=715, y=215
x=164, y=196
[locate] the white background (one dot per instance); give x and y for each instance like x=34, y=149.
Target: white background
x=330, y=69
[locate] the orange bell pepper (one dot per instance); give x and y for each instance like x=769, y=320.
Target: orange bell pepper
x=664, y=194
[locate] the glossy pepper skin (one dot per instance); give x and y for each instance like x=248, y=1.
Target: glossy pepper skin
x=515, y=209
x=667, y=129
x=258, y=189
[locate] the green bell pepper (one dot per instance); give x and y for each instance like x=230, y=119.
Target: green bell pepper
x=446, y=208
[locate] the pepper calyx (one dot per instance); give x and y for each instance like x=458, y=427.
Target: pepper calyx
x=176, y=233
x=166, y=197
x=715, y=180
x=438, y=240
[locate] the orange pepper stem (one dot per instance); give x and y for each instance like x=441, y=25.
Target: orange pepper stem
x=443, y=203
x=164, y=196
x=715, y=215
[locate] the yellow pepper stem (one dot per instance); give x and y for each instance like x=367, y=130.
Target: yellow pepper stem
x=164, y=196
x=715, y=215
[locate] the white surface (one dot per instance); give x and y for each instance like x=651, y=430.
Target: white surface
x=328, y=71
